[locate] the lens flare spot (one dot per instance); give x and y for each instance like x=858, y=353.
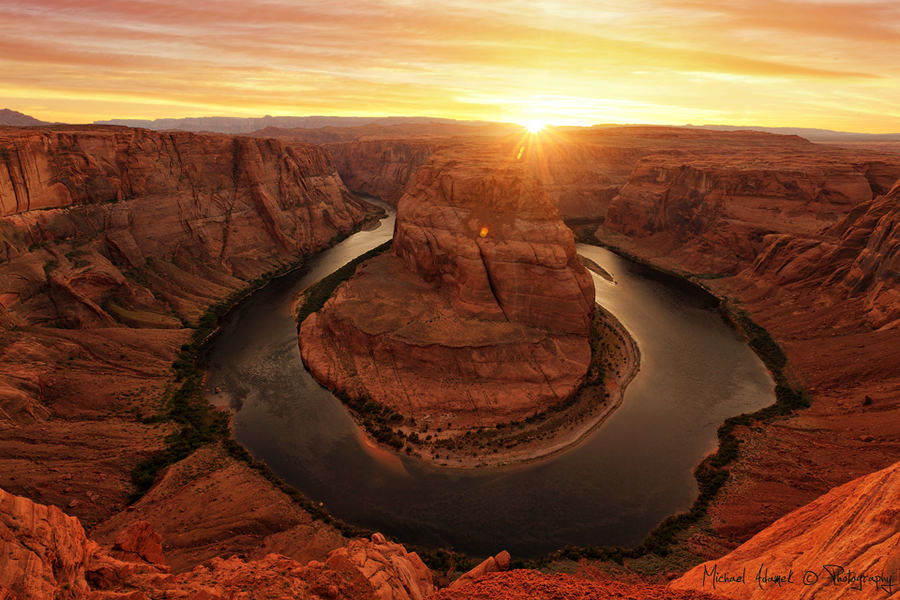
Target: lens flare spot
x=483, y=232
x=519, y=155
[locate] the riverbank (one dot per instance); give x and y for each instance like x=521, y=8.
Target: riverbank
x=716, y=469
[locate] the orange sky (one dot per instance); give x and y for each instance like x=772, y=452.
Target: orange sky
x=826, y=64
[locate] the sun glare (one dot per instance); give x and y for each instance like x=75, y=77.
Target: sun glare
x=533, y=126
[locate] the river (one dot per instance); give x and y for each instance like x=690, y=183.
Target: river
x=613, y=488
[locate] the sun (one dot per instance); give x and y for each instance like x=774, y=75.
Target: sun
x=534, y=126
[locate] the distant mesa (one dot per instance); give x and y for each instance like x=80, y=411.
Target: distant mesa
x=812, y=134
x=12, y=118
x=237, y=125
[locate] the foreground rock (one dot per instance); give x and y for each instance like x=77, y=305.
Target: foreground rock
x=845, y=544
x=45, y=554
x=479, y=315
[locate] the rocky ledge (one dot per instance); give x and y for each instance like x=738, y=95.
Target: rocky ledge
x=46, y=554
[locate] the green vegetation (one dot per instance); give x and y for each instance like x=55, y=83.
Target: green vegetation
x=759, y=339
x=377, y=419
x=197, y=422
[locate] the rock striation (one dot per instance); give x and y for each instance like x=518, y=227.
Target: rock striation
x=479, y=315
x=712, y=207
x=843, y=544
x=857, y=258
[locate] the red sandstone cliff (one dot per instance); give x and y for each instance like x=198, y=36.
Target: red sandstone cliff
x=112, y=241
x=711, y=208
x=479, y=315
x=857, y=258
x=815, y=257
x=802, y=237
x=853, y=530
x=381, y=168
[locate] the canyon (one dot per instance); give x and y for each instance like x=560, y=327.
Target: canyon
x=765, y=222
x=116, y=240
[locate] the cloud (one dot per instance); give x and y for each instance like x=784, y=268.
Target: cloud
x=394, y=56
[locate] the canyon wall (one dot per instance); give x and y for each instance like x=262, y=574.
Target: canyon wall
x=802, y=236
x=580, y=176
x=113, y=242
x=381, y=168
x=712, y=210
x=479, y=315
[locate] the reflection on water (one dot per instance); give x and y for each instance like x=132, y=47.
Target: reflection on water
x=612, y=489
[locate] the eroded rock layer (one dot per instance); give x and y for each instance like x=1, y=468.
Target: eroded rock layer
x=46, y=555
x=480, y=313
x=845, y=544
x=113, y=242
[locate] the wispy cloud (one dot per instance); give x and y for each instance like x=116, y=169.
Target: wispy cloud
x=659, y=60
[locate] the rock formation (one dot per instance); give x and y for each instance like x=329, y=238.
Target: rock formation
x=853, y=530
x=45, y=554
x=712, y=208
x=479, y=315
x=113, y=240
x=492, y=564
x=857, y=258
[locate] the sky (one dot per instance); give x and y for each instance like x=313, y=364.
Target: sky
x=833, y=65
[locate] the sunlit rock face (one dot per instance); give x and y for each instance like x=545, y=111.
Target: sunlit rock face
x=481, y=312
x=46, y=555
x=859, y=258
x=853, y=529
x=495, y=244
